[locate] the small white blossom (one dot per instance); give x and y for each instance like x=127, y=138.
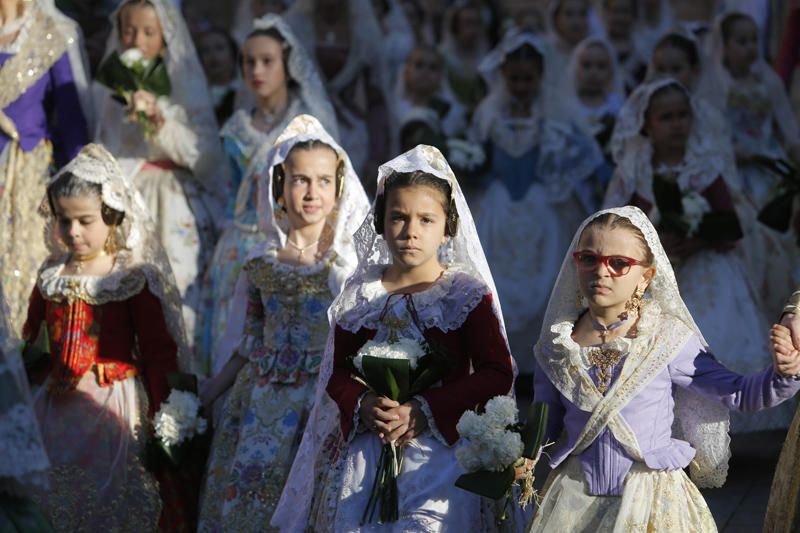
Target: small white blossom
x=131, y=57
x=404, y=348
x=695, y=206
x=489, y=445
x=178, y=419
x=464, y=155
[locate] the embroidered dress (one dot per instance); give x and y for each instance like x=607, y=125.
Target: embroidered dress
x=41, y=124
x=330, y=480
x=179, y=171
x=619, y=456
x=536, y=191
x=111, y=341
x=278, y=322
x=243, y=144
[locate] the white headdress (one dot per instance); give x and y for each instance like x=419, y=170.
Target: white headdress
x=449, y=47
x=464, y=250
x=616, y=84
x=351, y=207
x=304, y=72
x=189, y=90
x=702, y=422
x=707, y=158
x=136, y=235
x=25, y=461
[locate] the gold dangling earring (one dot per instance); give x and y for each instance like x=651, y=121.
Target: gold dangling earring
x=110, y=246
x=579, y=299
x=635, y=303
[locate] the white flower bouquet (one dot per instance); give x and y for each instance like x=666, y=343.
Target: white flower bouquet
x=465, y=155
x=496, y=443
x=177, y=422
x=695, y=207
x=129, y=72
x=397, y=369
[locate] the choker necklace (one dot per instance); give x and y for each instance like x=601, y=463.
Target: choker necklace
x=301, y=249
x=80, y=262
x=605, y=330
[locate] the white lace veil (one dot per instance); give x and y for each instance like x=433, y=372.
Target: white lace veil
x=707, y=157
x=464, y=250
x=351, y=208
x=702, y=422
x=25, y=462
x=449, y=47
x=303, y=71
x=140, y=247
x=615, y=86
x=189, y=90
x=78, y=60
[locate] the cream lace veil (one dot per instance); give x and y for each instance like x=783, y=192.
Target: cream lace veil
x=464, y=250
x=351, y=208
x=141, y=249
x=25, y=462
x=707, y=156
x=702, y=422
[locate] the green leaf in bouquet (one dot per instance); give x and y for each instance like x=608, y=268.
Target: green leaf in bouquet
x=388, y=377
x=534, y=430
x=182, y=381
x=115, y=75
x=487, y=483
x=431, y=368
x=777, y=213
x=156, y=79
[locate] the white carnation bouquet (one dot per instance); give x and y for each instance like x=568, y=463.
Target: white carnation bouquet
x=178, y=421
x=465, y=155
x=695, y=207
x=397, y=369
x=495, y=444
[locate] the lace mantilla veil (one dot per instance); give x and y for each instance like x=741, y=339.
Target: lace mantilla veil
x=302, y=70
x=351, y=208
x=700, y=421
x=463, y=250
x=25, y=461
x=707, y=157
x=140, y=247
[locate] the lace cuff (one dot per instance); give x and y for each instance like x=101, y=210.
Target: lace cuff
x=358, y=427
x=426, y=408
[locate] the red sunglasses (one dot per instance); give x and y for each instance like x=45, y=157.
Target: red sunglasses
x=617, y=265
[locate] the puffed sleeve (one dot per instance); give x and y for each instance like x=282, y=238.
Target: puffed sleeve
x=697, y=369
x=253, y=332
x=70, y=131
x=545, y=391
x=342, y=387
x=36, y=315
x=492, y=371
x=158, y=350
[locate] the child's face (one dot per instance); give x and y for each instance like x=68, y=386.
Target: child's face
x=309, y=188
x=620, y=17
x=674, y=62
x=598, y=286
x=80, y=225
x=414, y=225
x=218, y=60
x=522, y=78
x=469, y=26
x=423, y=72
x=668, y=120
x=741, y=48
x=594, y=69
x=140, y=28
x=572, y=20
x=262, y=66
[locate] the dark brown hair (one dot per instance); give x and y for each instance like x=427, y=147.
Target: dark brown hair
x=613, y=221
x=279, y=172
x=684, y=44
x=672, y=86
x=418, y=178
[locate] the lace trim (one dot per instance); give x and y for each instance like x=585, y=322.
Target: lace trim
x=117, y=286
x=270, y=257
x=426, y=408
x=16, y=45
x=445, y=305
x=20, y=440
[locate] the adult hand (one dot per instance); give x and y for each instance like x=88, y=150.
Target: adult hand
x=377, y=414
x=785, y=356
